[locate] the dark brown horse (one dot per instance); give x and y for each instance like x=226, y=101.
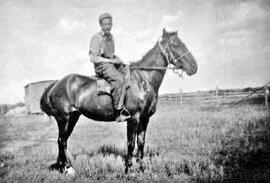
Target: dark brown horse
x=74, y=95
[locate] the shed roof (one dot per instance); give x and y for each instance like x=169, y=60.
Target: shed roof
x=38, y=82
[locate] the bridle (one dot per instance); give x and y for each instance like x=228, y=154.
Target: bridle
x=168, y=56
x=174, y=60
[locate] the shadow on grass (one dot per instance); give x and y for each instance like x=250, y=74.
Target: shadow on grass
x=245, y=156
x=104, y=150
x=107, y=150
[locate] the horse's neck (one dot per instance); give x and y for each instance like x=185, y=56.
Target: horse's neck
x=153, y=58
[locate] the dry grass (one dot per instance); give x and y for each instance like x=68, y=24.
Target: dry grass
x=191, y=144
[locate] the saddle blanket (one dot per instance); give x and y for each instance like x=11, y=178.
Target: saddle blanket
x=103, y=87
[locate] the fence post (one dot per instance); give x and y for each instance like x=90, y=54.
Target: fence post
x=181, y=97
x=216, y=95
x=266, y=95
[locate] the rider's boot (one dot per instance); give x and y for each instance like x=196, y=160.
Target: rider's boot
x=122, y=113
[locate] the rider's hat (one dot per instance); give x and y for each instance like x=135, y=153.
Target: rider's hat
x=104, y=15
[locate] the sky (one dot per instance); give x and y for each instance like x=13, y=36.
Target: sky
x=46, y=40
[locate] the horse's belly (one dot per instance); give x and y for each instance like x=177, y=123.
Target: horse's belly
x=100, y=108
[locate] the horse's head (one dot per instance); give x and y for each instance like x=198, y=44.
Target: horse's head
x=177, y=53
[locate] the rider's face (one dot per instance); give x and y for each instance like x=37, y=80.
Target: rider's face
x=106, y=25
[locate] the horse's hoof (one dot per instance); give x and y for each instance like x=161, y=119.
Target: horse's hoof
x=69, y=171
x=128, y=164
x=142, y=168
x=56, y=166
x=126, y=170
x=141, y=164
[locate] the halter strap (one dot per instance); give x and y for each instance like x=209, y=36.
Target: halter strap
x=163, y=51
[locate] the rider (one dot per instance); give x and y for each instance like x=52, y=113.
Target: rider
x=105, y=62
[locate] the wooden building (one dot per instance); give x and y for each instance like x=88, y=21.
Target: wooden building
x=33, y=92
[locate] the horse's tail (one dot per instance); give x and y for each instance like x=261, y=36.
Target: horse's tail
x=45, y=104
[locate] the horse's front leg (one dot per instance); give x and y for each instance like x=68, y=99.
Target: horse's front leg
x=131, y=135
x=141, y=142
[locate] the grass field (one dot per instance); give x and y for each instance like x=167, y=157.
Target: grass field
x=189, y=144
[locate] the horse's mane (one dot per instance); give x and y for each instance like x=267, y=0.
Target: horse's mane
x=144, y=57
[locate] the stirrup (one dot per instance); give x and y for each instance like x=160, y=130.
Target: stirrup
x=123, y=116
x=125, y=112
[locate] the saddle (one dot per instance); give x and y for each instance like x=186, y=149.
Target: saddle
x=104, y=87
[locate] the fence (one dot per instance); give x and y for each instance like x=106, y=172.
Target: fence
x=219, y=96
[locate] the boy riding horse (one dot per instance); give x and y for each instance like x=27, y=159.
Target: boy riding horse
x=106, y=64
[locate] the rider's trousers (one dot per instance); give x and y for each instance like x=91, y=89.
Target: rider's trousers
x=109, y=72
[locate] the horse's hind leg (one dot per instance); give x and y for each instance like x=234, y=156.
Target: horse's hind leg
x=66, y=124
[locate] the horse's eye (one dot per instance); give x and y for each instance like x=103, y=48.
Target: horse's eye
x=174, y=42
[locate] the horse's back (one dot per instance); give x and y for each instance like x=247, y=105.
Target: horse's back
x=70, y=82
x=79, y=92
x=66, y=92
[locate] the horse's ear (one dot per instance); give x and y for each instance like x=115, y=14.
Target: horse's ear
x=176, y=32
x=165, y=33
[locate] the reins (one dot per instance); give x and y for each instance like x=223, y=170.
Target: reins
x=179, y=72
x=149, y=68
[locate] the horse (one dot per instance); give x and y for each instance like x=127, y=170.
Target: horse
x=75, y=94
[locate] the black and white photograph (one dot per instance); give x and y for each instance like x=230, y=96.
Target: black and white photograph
x=135, y=91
